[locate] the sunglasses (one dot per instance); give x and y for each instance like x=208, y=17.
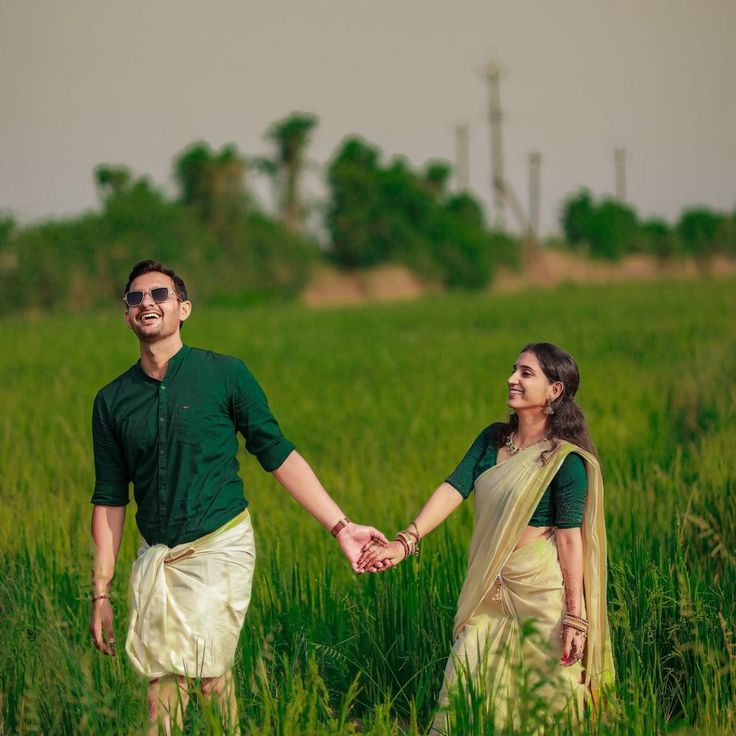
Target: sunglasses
x=159, y=294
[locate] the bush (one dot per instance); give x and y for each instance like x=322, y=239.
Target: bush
x=608, y=230
x=705, y=233
x=390, y=213
x=84, y=261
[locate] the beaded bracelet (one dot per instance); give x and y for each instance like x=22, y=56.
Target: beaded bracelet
x=99, y=597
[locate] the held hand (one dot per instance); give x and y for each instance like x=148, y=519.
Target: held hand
x=100, y=626
x=573, y=645
x=379, y=558
x=353, y=537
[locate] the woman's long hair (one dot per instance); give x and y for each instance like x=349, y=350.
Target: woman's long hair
x=567, y=422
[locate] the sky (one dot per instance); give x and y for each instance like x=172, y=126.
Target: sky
x=84, y=82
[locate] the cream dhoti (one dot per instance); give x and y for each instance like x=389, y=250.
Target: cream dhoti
x=506, y=587
x=188, y=602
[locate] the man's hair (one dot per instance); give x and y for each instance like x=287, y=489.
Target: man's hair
x=150, y=266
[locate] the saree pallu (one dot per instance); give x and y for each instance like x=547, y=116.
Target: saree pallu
x=188, y=602
x=506, y=587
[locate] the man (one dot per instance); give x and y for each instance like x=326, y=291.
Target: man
x=168, y=425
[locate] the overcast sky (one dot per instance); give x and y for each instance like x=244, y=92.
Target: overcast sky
x=90, y=81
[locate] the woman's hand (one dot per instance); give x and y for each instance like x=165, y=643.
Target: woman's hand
x=100, y=626
x=573, y=645
x=377, y=557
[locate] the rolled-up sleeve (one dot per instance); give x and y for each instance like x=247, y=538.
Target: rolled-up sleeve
x=112, y=478
x=254, y=420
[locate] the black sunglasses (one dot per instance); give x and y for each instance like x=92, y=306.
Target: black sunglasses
x=159, y=294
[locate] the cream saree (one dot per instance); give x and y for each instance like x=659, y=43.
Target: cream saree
x=506, y=588
x=188, y=602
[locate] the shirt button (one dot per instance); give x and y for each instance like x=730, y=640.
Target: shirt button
x=163, y=388
x=162, y=419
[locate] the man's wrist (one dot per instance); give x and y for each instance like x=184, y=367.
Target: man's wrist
x=339, y=525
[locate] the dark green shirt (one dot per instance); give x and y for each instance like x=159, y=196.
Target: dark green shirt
x=563, y=500
x=176, y=441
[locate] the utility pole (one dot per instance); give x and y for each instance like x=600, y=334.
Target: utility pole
x=619, y=157
x=462, y=158
x=535, y=161
x=494, y=118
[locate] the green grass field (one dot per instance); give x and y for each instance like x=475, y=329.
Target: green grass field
x=383, y=401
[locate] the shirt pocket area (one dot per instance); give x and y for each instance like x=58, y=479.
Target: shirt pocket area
x=193, y=425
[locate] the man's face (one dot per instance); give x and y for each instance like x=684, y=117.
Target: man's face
x=153, y=321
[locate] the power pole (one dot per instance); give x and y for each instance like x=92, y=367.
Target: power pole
x=462, y=158
x=619, y=157
x=494, y=118
x=535, y=161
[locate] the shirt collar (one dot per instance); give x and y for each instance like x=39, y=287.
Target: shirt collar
x=174, y=362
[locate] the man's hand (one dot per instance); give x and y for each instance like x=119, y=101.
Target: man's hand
x=353, y=537
x=377, y=558
x=100, y=626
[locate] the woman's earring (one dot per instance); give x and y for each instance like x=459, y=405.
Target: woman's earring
x=548, y=408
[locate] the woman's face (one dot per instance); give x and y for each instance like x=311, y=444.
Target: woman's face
x=529, y=388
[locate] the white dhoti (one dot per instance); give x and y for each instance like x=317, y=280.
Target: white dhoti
x=188, y=602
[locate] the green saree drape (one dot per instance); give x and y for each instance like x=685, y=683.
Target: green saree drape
x=504, y=587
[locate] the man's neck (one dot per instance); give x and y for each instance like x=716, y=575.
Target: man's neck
x=155, y=356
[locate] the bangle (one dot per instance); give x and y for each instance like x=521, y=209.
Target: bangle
x=575, y=622
x=340, y=525
x=99, y=597
x=410, y=543
x=572, y=618
x=404, y=544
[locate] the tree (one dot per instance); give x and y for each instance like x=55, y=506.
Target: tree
x=291, y=136
x=211, y=183
x=385, y=213
x=577, y=214
x=699, y=228
x=609, y=229
x=437, y=175
x=112, y=180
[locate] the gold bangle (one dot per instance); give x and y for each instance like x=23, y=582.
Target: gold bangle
x=340, y=525
x=582, y=628
x=411, y=544
x=414, y=533
x=404, y=544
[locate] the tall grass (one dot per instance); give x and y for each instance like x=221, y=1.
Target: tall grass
x=383, y=401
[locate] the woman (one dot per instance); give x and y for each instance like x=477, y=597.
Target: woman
x=538, y=551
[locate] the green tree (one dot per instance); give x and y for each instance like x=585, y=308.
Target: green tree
x=609, y=229
x=577, y=215
x=659, y=239
x=112, y=180
x=700, y=230
x=212, y=183
x=291, y=136
x=391, y=213
x=355, y=218
x=437, y=176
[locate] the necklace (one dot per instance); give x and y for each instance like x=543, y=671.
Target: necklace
x=513, y=448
